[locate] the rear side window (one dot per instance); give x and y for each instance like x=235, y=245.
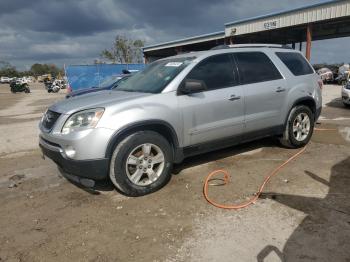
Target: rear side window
x=216, y=72
x=296, y=63
x=256, y=67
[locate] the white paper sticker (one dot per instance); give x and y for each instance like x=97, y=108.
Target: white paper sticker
x=174, y=64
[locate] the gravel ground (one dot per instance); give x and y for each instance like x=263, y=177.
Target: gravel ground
x=304, y=214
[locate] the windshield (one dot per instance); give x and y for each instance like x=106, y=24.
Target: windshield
x=109, y=81
x=156, y=76
x=122, y=80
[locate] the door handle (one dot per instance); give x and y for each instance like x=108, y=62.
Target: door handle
x=280, y=89
x=234, y=98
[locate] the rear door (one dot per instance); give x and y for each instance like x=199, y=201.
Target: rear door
x=264, y=90
x=217, y=112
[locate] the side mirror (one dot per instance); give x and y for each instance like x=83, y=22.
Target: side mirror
x=190, y=86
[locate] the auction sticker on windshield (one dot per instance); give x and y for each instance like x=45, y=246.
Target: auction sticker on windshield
x=174, y=64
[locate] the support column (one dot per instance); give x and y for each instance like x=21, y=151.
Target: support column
x=231, y=40
x=308, y=41
x=300, y=46
x=293, y=45
x=226, y=41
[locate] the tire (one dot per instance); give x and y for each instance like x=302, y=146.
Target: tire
x=346, y=105
x=299, y=137
x=123, y=169
x=27, y=90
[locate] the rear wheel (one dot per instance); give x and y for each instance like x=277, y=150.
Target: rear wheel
x=141, y=163
x=299, y=127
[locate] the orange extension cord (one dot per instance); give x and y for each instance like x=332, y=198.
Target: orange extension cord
x=257, y=195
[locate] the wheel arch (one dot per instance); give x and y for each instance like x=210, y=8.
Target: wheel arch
x=306, y=101
x=160, y=126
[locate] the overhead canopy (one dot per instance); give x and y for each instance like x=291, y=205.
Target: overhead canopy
x=327, y=20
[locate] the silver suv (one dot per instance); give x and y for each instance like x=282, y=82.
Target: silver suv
x=181, y=106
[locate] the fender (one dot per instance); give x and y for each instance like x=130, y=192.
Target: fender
x=159, y=126
x=302, y=100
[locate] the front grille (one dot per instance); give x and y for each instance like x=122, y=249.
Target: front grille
x=50, y=119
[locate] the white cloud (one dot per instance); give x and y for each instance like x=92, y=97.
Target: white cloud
x=75, y=31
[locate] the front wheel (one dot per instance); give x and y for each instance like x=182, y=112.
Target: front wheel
x=141, y=163
x=299, y=127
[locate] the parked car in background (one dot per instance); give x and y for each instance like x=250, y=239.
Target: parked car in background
x=343, y=74
x=326, y=75
x=182, y=106
x=20, y=81
x=109, y=84
x=345, y=94
x=5, y=80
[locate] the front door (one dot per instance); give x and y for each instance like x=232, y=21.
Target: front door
x=217, y=112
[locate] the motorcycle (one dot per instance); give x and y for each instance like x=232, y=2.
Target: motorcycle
x=54, y=87
x=47, y=83
x=19, y=87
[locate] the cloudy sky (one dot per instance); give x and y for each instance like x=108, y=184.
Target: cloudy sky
x=75, y=31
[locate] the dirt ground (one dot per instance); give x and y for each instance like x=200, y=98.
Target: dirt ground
x=304, y=214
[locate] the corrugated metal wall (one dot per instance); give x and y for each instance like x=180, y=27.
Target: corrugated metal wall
x=331, y=11
x=189, y=41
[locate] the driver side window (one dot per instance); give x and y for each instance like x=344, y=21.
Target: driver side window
x=216, y=72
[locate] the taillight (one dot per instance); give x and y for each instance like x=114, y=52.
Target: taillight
x=320, y=84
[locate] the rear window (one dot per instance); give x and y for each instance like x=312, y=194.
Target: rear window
x=296, y=63
x=255, y=67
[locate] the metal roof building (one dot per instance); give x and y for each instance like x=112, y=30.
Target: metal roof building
x=326, y=20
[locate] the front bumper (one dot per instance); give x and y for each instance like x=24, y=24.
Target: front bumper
x=95, y=169
x=318, y=113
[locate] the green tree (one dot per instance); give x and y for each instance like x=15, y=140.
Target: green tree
x=124, y=50
x=38, y=69
x=6, y=69
x=43, y=69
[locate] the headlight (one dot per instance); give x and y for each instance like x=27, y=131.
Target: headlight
x=82, y=120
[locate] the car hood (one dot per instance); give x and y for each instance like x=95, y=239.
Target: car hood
x=87, y=91
x=93, y=100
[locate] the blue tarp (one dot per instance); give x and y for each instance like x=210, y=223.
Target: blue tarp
x=85, y=76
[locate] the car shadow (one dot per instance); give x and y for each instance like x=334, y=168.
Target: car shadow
x=224, y=153
x=336, y=103
x=100, y=185
x=324, y=234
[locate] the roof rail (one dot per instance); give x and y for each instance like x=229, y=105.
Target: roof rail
x=218, y=47
x=251, y=46
x=260, y=45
